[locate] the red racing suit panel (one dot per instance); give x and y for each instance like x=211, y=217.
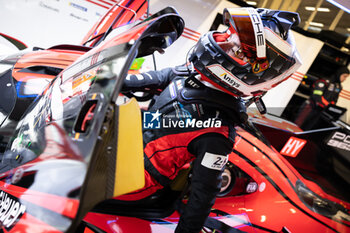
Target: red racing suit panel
x=170, y=153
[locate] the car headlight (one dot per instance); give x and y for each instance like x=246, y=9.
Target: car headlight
x=321, y=205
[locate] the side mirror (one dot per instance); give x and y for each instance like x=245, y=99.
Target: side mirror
x=162, y=33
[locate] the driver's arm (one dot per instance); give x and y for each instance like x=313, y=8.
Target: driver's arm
x=211, y=151
x=152, y=81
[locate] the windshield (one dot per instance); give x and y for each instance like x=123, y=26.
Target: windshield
x=50, y=125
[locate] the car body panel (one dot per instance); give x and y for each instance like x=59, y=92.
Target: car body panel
x=322, y=160
x=117, y=16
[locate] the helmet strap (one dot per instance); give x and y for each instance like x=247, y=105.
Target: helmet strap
x=258, y=102
x=260, y=105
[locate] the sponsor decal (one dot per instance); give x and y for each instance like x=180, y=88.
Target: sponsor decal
x=340, y=140
x=228, y=79
x=94, y=58
x=192, y=83
x=172, y=91
x=262, y=186
x=155, y=120
x=214, y=161
x=48, y=7
x=10, y=210
x=293, y=147
x=179, y=85
x=258, y=32
x=85, y=62
x=251, y=187
x=78, y=6
x=224, y=75
x=78, y=17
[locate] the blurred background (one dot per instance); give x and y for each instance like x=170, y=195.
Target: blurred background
x=317, y=16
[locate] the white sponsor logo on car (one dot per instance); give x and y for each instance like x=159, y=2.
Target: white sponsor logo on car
x=340, y=140
x=10, y=209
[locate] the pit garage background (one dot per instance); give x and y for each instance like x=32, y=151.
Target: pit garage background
x=44, y=23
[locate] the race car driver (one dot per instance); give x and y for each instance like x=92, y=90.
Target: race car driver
x=324, y=93
x=254, y=54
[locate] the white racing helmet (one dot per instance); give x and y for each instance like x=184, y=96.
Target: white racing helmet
x=255, y=53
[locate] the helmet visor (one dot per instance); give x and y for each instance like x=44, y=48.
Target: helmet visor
x=246, y=22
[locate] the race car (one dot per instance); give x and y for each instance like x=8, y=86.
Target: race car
x=70, y=155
